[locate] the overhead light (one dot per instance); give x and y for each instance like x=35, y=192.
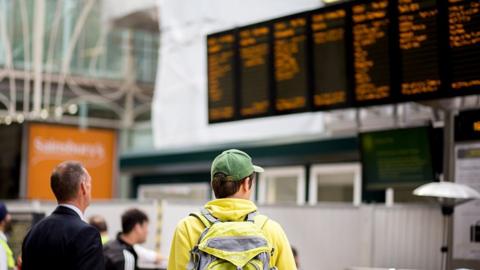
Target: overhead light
x=58, y=112
x=20, y=118
x=328, y=2
x=8, y=120
x=72, y=108
x=44, y=114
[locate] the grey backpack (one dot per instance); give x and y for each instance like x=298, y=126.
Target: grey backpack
x=231, y=245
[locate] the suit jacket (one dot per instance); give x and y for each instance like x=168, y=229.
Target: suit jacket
x=62, y=241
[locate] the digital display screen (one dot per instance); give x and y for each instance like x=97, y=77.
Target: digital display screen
x=371, y=52
x=331, y=87
x=419, y=48
x=255, y=70
x=396, y=158
x=290, y=61
x=350, y=54
x=464, y=41
x=221, y=76
x=467, y=126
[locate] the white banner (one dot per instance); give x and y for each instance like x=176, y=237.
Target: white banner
x=466, y=225
x=180, y=111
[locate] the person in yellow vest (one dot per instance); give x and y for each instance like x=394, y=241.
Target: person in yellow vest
x=7, y=262
x=100, y=224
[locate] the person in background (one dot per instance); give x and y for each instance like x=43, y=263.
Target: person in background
x=295, y=256
x=64, y=240
x=232, y=177
x=7, y=260
x=120, y=253
x=145, y=255
x=100, y=224
x=148, y=256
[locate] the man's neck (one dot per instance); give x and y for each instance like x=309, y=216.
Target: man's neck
x=128, y=238
x=74, y=203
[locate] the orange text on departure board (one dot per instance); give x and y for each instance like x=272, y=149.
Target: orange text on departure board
x=370, y=19
x=413, y=34
x=220, y=55
x=459, y=16
x=323, y=33
x=289, y=36
x=476, y=126
x=254, y=51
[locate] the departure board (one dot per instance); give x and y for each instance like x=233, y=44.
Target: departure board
x=290, y=64
x=255, y=70
x=419, y=48
x=331, y=87
x=349, y=54
x=221, y=77
x=371, y=52
x=464, y=41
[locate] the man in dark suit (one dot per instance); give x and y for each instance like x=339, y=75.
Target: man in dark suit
x=64, y=240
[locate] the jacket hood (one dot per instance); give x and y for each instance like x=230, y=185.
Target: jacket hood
x=230, y=209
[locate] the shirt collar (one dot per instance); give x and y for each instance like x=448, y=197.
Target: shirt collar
x=74, y=208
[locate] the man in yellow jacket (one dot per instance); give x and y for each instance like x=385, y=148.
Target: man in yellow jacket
x=7, y=261
x=232, y=176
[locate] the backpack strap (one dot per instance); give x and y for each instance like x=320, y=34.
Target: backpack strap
x=202, y=219
x=251, y=216
x=205, y=217
x=209, y=216
x=261, y=220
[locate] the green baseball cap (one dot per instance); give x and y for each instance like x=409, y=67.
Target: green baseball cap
x=235, y=164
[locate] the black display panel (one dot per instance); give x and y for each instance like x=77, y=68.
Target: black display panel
x=221, y=76
x=330, y=38
x=290, y=64
x=255, y=70
x=10, y=164
x=467, y=126
x=351, y=54
x=396, y=158
x=371, y=52
x=464, y=42
x=418, y=26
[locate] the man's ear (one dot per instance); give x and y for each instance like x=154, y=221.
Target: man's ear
x=246, y=185
x=83, y=187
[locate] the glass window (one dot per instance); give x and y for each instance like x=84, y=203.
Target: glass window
x=283, y=185
x=335, y=183
x=184, y=191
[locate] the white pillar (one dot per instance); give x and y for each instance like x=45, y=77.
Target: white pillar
x=38, y=35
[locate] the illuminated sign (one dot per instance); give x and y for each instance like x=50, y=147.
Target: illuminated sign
x=371, y=50
x=254, y=71
x=329, y=54
x=464, y=39
x=476, y=126
x=49, y=145
x=291, y=69
x=419, y=48
x=351, y=54
x=221, y=77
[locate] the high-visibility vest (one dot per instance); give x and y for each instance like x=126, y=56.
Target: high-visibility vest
x=10, y=259
x=104, y=239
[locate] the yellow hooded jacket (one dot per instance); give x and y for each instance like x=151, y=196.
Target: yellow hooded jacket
x=188, y=231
